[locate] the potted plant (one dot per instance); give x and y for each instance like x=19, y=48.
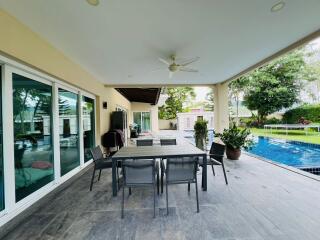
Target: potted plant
x=235, y=138
x=201, y=133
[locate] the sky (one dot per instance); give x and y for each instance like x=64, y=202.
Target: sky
x=316, y=43
x=201, y=93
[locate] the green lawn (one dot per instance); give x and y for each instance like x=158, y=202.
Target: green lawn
x=296, y=135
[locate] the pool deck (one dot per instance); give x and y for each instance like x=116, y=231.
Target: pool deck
x=262, y=201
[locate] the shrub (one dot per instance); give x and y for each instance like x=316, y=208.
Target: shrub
x=273, y=121
x=201, y=133
x=307, y=112
x=235, y=138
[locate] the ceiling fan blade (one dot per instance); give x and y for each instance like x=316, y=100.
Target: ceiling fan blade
x=189, y=61
x=164, y=61
x=170, y=74
x=184, y=69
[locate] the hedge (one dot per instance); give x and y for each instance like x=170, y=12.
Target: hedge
x=308, y=112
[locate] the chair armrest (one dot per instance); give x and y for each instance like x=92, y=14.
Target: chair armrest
x=215, y=155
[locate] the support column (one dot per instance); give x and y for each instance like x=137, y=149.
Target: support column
x=221, y=106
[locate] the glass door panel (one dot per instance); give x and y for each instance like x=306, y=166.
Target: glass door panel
x=143, y=120
x=137, y=120
x=88, y=126
x=146, y=121
x=1, y=151
x=68, y=131
x=33, y=148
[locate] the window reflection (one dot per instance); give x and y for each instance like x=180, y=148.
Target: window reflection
x=33, y=152
x=68, y=130
x=88, y=126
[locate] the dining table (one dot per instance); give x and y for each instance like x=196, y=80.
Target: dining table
x=157, y=152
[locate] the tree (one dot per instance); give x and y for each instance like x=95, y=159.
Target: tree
x=236, y=88
x=177, y=98
x=275, y=85
x=209, y=105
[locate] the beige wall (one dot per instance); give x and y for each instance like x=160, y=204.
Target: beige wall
x=165, y=124
x=21, y=43
x=146, y=107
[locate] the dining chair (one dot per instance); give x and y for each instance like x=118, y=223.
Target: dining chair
x=216, y=157
x=144, y=142
x=181, y=171
x=100, y=163
x=165, y=142
x=140, y=173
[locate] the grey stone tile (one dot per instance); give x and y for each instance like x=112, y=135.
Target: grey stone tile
x=261, y=202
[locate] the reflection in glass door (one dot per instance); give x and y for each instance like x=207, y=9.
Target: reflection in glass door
x=33, y=148
x=88, y=126
x=68, y=131
x=1, y=151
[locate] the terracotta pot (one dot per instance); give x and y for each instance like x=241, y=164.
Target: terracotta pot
x=233, y=154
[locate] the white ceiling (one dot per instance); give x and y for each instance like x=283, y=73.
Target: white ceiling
x=120, y=41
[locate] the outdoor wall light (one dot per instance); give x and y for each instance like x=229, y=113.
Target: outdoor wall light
x=278, y=6
x=93, y=2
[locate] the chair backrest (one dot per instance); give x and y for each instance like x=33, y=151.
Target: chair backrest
x=180, y=170
x=217, y=150
x=172, y=141
x=144, y=142
x=138, y=171
x=96, y=153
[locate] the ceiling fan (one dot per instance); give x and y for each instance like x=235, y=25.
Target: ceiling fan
x=174, y=67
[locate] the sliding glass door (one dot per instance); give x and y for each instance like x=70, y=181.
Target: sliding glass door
x=88, y=124
x=1, y=150
x=68, y=130
x=33, y=148
x=143, y=120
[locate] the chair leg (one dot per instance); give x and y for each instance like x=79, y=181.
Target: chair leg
x=154, y=199
x=202, y=177
x=92, y=178
x=122, y=204
x=213, y=170
x=167, y=200
x=197, y=195
x=158, y=187
x=118, y=179
x=161, y=182
x=188, y=186
x=224, y=172
x=99, y=174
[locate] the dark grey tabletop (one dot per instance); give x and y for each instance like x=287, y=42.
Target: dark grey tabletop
x=157, y=151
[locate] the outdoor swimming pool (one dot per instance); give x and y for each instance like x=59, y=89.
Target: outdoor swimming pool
x=291, y=153
x=301, y=155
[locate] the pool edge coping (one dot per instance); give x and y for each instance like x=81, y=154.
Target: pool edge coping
x=287, y=140
x=287, y=167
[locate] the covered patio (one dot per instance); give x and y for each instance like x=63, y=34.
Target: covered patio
x=262, y=201
x=66, y=67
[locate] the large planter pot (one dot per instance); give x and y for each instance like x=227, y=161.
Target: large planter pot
x=233, y=154
x=200, y=143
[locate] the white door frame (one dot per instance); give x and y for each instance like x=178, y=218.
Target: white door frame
x=9, y=66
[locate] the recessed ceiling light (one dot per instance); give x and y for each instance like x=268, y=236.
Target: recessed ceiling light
x=278, y=6
x=93, y=2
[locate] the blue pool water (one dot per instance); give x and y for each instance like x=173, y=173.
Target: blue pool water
x=291, y=153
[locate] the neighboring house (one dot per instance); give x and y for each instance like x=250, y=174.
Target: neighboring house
x=186, y=121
